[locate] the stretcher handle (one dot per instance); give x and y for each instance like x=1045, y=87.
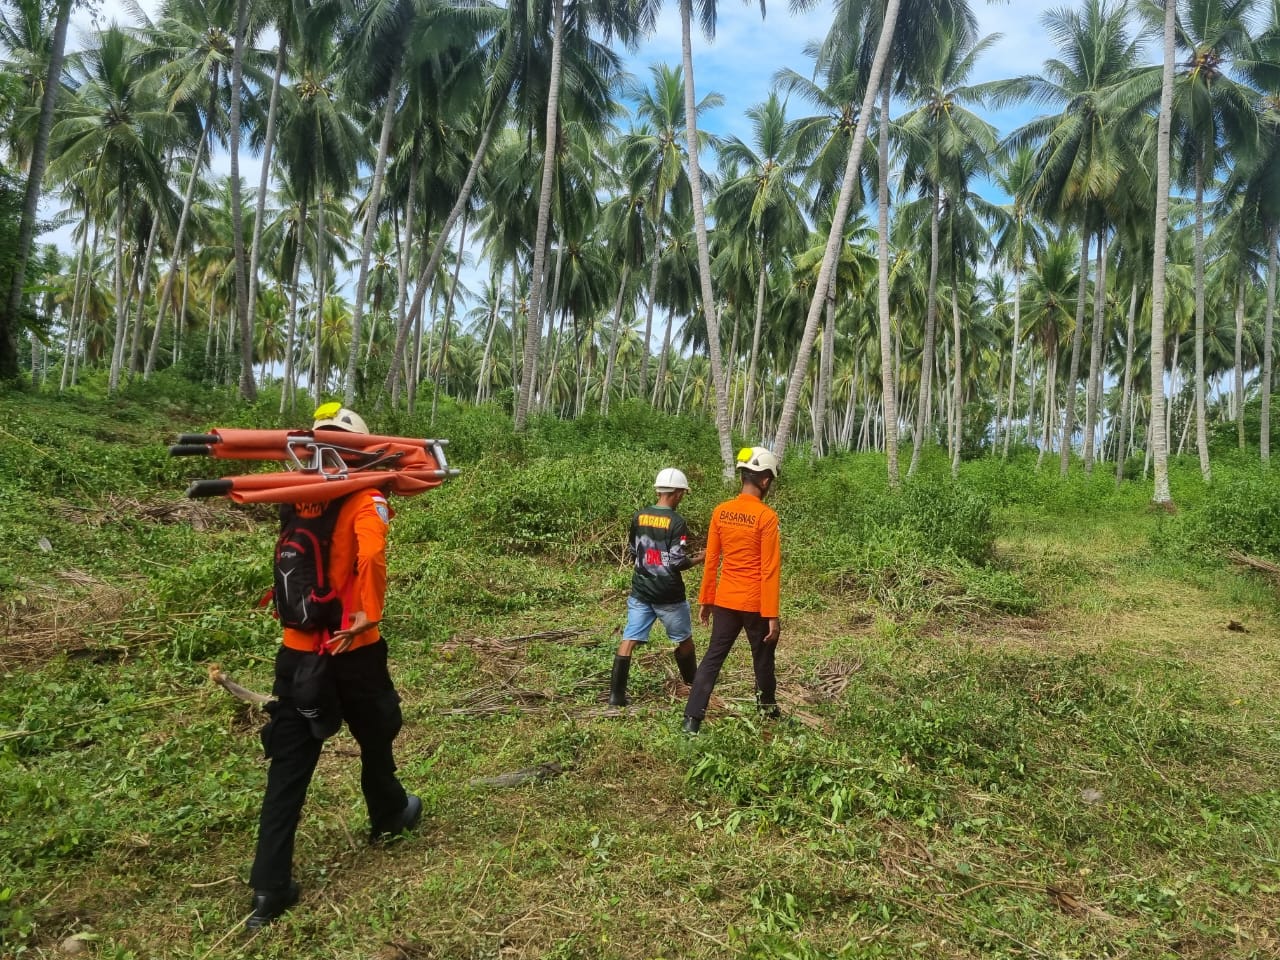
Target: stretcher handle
x=209, y=488
x=199, y=438
x=189, y=450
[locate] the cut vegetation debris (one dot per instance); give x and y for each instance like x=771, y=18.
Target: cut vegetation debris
x=1016, y=722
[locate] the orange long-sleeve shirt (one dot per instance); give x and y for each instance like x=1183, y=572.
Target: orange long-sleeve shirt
x=744, y=558
x=357, y=566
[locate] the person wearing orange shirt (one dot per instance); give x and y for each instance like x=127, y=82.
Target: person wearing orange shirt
x=356, y=687
x=740, y=586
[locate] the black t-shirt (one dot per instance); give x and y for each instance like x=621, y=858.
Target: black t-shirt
x=657, y=545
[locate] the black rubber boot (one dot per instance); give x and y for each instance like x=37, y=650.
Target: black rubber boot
x=768, y=710
x=688, y=664
x=268, y=905
x=691, y=726
x=618, y=682
x=408, y=819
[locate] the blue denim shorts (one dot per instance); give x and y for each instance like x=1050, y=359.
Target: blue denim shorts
x=675, y=618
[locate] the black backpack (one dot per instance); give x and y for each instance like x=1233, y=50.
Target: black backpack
x=304, y=597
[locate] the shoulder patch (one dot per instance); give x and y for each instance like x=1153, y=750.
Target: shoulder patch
x=384, y=511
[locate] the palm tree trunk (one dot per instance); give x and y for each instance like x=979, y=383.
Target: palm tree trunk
x=661, y=379
x=1126, y=397
x=611, y=360
x=488, y=340
x=1268, y=326
x=443, y=356
x=144, y=279
x=1013, y=360
x=404, y=250
x=1073, y=371
x=826, y=367
x=835, y=237
x=248, y=386
x=74, y=325
x=537, y=298
x=31, y=198
x=718, y=377
x=255, y=245
x=957, y=396
x=553, y=338
x=1202, y=431
x=317, y=374
x=117, y=347
x=180, y=234
x=392, y=384
x=1174, y=387
x=182, y=311
x=1031, y=396
x=370, y=227
x=1050, y=402
x=925, y=410
x=749, y=401
x=1239, y=365
x=287, y=388
x=1093, y=396
x=1159, y=436
x=882, y=255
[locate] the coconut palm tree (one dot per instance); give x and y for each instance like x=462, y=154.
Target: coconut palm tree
x=1159, y=437
x=1017, y=241
x=1213, y=117
x=110, y=140
x=763, y=202
x=1081, y=152
x=9, y=318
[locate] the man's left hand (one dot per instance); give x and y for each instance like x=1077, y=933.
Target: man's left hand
x=775, y=630
x=342, y=639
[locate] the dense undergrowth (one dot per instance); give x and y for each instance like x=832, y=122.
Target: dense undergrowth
x=1020, y=726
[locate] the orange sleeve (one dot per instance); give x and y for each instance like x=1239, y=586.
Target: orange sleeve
x=711, y=565
x=371, y=560
x=770, y=566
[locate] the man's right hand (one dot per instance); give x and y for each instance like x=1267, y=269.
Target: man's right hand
x=704, y=614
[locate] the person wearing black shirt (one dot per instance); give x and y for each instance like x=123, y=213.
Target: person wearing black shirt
x=658, y=548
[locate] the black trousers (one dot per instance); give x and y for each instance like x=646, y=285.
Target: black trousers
x=371, y=708
x=726, y=624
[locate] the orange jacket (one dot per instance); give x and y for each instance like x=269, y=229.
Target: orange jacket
x=744, y=557
x=357, y=566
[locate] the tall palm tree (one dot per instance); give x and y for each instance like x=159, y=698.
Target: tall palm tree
x=1017, y=241
x=9, y=319
x=763, y=202
x=1081, y=154
x=109, y=141
x=585, y=17
x=1159, y=437
x=791, y=403
x=1213, y=117
x=945, y=144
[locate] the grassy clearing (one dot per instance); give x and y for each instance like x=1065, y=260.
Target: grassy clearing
x=1020, y=725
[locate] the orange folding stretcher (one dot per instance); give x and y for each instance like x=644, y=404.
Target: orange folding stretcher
x=323, y=464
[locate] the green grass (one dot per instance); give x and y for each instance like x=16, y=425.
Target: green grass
x=1047, y=744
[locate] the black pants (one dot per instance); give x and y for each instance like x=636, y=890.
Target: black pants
x=726, y=624
x=371, y=708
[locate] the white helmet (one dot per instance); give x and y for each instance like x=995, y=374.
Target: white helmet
x=670, y=480
x=337, y=417
x=758, y=460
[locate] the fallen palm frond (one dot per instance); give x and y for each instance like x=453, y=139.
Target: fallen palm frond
x=1255, y=563
x=217, y=675
x=831, y=680
x=517, y=778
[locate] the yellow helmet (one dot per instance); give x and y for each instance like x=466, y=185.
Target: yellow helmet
x=337, y=417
